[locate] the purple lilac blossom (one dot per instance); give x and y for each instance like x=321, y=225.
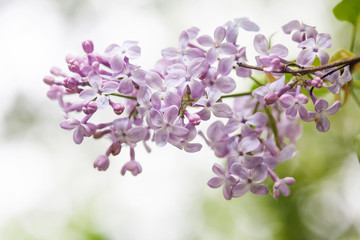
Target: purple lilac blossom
x=313, y=48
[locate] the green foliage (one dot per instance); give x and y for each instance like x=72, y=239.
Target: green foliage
x=348, y=10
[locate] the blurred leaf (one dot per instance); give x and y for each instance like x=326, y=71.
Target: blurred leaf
x=348, y=10
x=341, y=55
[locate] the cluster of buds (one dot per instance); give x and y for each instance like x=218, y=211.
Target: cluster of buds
x=190, y=85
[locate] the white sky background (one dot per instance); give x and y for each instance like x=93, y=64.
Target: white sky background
x=44, y=175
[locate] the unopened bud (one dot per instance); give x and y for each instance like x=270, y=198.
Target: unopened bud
x=270, y=98
x=88, y=46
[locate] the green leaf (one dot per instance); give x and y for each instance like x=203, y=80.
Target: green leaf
x=348, y=10
x=357, y=146
x=341, y=55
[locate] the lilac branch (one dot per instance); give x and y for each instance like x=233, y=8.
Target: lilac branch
x=306, y=70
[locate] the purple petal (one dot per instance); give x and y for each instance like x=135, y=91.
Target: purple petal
x=133, y=52
x=204, y=114
x=154, y=80
x=111, y=87
x=303, y=112
x=249, y=144
x=286, y=154
x=212, y=55
x=156, y=118
x=215, y=131
x=238, y=170
x=219, y=34
x=183, y=39
x=205, y=41
x=308, y=43
x=126, y=86
x=218, y=170
x=136, y=134
x=278, y=84
x=323, y=40
x=179, y=131
x=284, y=189
x=240, y=189
x=222, y=110
x=192, y=147
x=95, y=80
x=324, y=57
x=259, y=174
x=117, y=63
x=196, y=89
x=322, y=124
x=228, y=48
x=70, y=123
x=321, y=105
x=102, y=102
x=243, y=72
x=225, y=84
x=247, y=25
x=215, y=182
x=306, y=58
x=252, y=161
x=79, y=134
x=88, y=94
x=227, y=191
x=225, y=66
x=197, y=67
x=170, y=53
x=289, y=27
x=279, y=50
x=171, y=114
x=259, y=189
x=258, y=120
x=261, y=44
x=334, y=108
x=161, y=136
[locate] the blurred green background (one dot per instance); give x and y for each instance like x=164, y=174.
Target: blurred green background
x=49, y=188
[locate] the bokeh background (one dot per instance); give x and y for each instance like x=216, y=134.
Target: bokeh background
x=48, y=187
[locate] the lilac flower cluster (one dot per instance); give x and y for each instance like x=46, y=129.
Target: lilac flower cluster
x=189, y=85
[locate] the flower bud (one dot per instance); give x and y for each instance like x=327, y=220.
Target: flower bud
x=194, y=119
x=71, y=82
x=270, y=98
x=317, y=82
x=118, y=108
x=88, y=46
x=89, y=107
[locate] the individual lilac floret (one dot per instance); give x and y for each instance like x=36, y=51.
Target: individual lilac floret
x=102, y=162
x=321, y=110
x=295, y=104
x=281, y=186
x=211, y=104
x=233, y=28
x=302, y=31
x=216, y=45
x=185, y=142
x=223, y=178
x=249, y=180
x=132, y=166
x=98, y=90
x=338, y=81
x=163, y=123
x=270, y=58
x=312, y=48
x=240, y=148
x=81, y=129
x=268, y=94
x=218, y=138
x=124, y=132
